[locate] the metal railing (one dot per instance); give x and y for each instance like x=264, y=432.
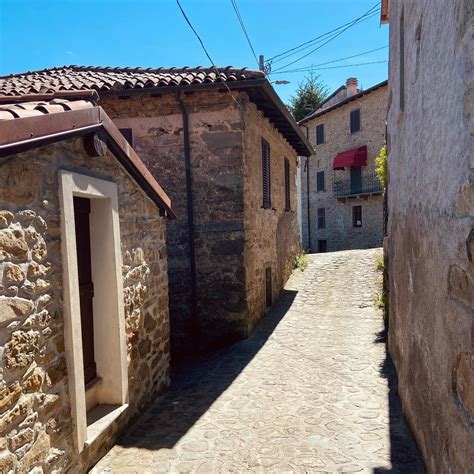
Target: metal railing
x=369, y=184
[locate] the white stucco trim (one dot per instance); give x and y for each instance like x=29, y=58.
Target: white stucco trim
x=109, y=320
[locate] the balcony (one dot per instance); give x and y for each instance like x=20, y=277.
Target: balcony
x=367, y=185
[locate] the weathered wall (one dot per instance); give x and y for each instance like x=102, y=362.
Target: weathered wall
x=217, y=183
x=431, y=212
x=35, y=413
x=225, y=282
x=339, y=232
x=271, y=235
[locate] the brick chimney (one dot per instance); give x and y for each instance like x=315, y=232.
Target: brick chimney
x=351, y=86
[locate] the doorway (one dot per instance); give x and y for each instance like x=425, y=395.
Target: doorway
x=322, y=246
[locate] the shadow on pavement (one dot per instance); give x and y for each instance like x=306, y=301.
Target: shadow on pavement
x=404, y=455
x=196, y=386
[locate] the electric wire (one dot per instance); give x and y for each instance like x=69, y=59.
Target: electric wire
x=242, y=25
x=331, y=67
x=307, y=68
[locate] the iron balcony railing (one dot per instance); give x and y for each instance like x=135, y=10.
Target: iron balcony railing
x=368, y=184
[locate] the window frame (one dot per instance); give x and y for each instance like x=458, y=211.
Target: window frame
x=354, y=216
x=286, y=166
x=266, y=176
x=321, y=217
x=351, y=120
x=320, y=127
x=318, y=174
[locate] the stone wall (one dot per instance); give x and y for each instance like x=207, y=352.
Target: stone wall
x=339, y=232
x=271, y=235
x=431, y=221
x=36, y=427
x=218, y=130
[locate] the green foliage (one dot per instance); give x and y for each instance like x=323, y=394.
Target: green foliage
x=381, y=166
x=301, y=260
x=309, y=94
x=379, y=264
x=381, y=300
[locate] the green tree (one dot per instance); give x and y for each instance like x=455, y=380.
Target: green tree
x=309, y=94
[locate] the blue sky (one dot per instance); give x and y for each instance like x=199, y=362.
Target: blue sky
x=35, y=34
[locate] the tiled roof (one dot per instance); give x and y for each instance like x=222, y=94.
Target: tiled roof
x=31, y=109
x=70, y=78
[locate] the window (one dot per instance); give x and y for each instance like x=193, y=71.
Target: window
x=320, y=181
x=320, y=134
x=321, y=218
x=266, y=183
x=287, y=186
x=357, y=216
x=355, y=121
x=356, y=179
x=322, y=246
x=127, y=133
x=401, y=66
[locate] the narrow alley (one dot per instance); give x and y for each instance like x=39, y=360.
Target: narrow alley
x=311, y=390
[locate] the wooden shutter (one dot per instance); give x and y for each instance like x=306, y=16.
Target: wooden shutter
x=266, y=182
x=355, y=120
x=320, y=134
x=321, y=218
x=320, y=181
x=287, y=186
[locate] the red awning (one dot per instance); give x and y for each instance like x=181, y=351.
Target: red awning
x=354, y=157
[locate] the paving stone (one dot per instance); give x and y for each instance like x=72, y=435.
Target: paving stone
x=312, y=390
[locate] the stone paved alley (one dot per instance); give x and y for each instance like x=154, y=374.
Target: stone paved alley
x=311, y=390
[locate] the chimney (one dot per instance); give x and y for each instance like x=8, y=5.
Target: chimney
x=351, y=86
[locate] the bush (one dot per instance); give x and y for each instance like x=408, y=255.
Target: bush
x=381, y=166
x=301, y=260
x=379, y=264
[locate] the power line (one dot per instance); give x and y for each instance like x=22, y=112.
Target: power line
x=195, y=32
x=320, y=37
x=329, y=67
x=242, y=25
x=305, y=68
x=323, y=44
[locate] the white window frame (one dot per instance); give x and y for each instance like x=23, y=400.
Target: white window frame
x=110, y=391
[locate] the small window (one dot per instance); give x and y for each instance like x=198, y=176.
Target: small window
x=320, y=181
x=322, y=246
x=321, y=218
x=357, y=216
x=127, y=133
x=355, y=120
x=266, y=184
x=287, y=186
x=320, y=134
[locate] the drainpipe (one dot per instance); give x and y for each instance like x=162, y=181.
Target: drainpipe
x=190, y=219
x=308, y=206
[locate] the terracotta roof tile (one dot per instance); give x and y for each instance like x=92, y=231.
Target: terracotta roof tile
x=107, y=78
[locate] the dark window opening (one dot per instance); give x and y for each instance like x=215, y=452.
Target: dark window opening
x=322, y=246
x=357, y=216
x=355, y=121
x=321, y=218
x=127, y=133
x=319, y=134
x=287, y=186
x=268, y=287
x=266, y=183
x=356, y=179
x=320, y=181
x=82, y=209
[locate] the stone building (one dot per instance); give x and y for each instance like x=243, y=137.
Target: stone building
x=84, y=325
x=344, y=208
x=430, y=240
x=224, y=147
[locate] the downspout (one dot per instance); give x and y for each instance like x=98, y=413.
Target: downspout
x=308, y=206
x=190, y=219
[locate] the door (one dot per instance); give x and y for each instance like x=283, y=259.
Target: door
x=82, y=209
x=322, y=246
x=356, y=179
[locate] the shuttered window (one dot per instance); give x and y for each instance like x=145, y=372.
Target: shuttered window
x=320, y=181
x=127, y=133
x=357, y=216
x=321, y=218
x=355, y=120
x=320, y=134
x=266, y=181
x=287, y=186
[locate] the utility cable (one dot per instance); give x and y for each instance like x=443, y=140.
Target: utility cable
x=330, y=67
x=242, y=25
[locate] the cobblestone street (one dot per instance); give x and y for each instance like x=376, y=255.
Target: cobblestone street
x=312, y=390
